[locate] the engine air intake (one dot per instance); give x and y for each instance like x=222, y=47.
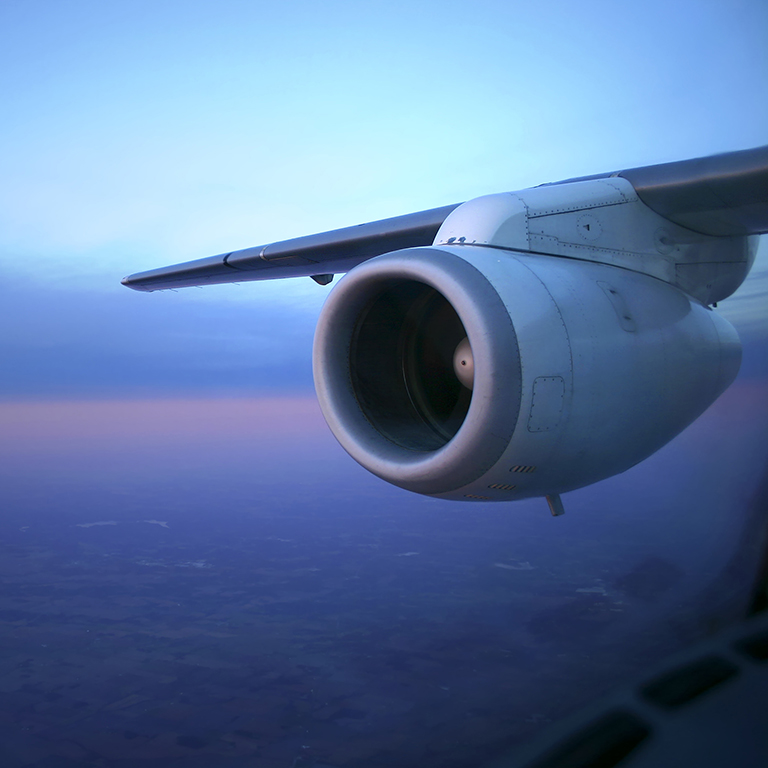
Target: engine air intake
x=402, y=366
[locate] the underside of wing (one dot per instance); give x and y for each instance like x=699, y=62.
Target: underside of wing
x=722, y=195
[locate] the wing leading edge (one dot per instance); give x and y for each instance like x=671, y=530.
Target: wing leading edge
x=721, y=195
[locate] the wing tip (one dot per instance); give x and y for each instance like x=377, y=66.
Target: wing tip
x=131, y=282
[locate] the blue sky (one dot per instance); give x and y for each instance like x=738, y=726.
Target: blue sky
x=140, y=134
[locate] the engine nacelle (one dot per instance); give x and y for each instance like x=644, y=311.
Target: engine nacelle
x=476, y=373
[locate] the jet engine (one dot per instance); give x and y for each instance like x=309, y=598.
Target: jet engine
x=477, y=373
x=525, y=343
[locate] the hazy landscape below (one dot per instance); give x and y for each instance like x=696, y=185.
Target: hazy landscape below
x=212, y=582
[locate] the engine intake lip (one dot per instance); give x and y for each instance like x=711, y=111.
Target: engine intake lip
x=468, y=443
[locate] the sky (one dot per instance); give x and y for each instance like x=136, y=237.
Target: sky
x=141, y=134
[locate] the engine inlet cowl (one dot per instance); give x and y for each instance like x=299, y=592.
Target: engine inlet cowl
x=385, y=374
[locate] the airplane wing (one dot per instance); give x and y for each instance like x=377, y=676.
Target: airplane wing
x=319, y=256
x=721, y=195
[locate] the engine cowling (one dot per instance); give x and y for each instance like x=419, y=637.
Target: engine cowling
x=476, y=373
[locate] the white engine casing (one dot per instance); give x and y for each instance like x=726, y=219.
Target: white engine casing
x=581, y=369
